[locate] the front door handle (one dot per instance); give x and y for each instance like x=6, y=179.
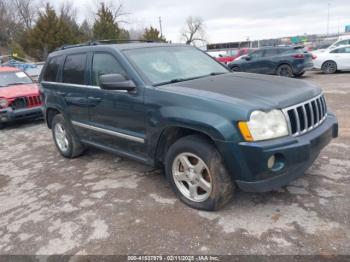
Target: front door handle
x=60, y=93
x=94, y=99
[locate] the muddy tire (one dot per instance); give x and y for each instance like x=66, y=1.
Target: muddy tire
x=197, y=174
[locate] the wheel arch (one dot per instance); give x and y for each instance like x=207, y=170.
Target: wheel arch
x=170, y=134
x=50, y=113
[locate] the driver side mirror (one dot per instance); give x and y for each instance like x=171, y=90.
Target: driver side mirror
x=116, y=82
x=248, y=58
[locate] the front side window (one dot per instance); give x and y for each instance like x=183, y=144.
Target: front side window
x=257, y=54
x=104, y=64
x=51, y=69
x=74, y=69
x=14, y=78
x=162, y=65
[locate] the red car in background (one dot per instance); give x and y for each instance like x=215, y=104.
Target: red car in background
x=19, y=96
x=232, y=55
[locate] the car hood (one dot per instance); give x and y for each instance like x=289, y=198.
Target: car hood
x=250, y=90
x=19, y=90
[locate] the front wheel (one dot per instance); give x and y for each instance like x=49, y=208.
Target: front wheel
x=66, y=142
x=284, y=70
x=329, y=67
x=197, y=174
x=236, y=69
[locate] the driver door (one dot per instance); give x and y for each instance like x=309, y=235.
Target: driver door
x=255, y=63
x=117, y=117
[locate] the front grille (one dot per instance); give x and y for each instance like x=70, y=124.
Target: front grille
x=19, y=103
x=306, y=116
x=25, y=102
x=33, y=101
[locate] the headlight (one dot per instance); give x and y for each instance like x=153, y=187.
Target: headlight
x=264, y=125
x=3, y=102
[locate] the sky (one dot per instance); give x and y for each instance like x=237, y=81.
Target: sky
x=232, y=20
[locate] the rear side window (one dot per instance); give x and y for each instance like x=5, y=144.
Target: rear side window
x=52, y=67
x=74, y=69
x=342, y=50
x=104, y=64
x=271, y=52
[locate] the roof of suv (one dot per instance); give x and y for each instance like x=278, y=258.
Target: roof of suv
x=121, y=46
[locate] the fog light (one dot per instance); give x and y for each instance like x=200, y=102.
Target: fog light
x=271, y=162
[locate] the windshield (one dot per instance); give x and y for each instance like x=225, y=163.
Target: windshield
x=163, y=65
x=14, y=78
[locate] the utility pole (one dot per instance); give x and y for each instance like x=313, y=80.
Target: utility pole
x=329, y=6
x=160, y=26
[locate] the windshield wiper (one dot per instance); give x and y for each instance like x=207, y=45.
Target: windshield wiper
x=216, y=73
x=175, y=80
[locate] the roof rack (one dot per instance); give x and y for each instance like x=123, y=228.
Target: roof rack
x=103, y=42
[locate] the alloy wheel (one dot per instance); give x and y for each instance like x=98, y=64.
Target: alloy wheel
x=192, y=177
x=61, y=137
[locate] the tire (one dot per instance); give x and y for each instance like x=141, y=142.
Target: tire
x=284, y=70
x=65, y=140
x=329, y=67
x=2, y=126
x=299, y=74
x=217, y=188
x=236, y=69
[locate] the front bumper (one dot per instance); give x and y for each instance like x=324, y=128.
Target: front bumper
x=294, y=155
x=10, y=115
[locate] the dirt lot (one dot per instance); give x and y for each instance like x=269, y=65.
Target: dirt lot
x=103, y=204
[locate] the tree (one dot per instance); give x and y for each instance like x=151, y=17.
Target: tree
x=106, y=23
x=152, y=34
x=85, y=31
x=10, y=29
x=193, y=32
x=26, y=12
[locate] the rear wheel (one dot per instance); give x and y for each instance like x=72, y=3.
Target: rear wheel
x=197, y=174
x=66, y=142
x=284, y=70
x=329, y=67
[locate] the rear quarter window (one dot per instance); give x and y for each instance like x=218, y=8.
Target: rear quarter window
x=74, y=69
x=51, y=69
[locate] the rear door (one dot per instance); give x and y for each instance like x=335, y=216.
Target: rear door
x=64, y=84
x=270, y=60
x=342, y=57
x=72, y=89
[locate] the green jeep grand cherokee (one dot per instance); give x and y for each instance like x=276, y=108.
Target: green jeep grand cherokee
x=173, y=106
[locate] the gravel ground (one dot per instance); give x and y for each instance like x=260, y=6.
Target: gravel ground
x=104, y=204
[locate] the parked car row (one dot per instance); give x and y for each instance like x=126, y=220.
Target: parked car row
x=289, y=61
